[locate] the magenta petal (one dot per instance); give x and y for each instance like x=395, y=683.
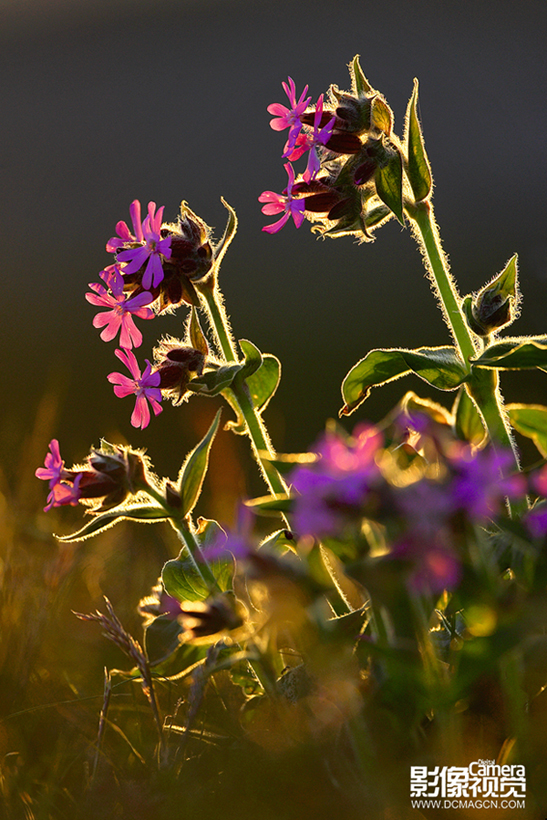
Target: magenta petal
x=130, y=335
x=277, y=225
x=135, y=212
x=141, y=414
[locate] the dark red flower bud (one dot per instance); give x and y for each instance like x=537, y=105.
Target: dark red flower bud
x=321, y=203
x=364, y=172
x=177, y=364
x=344, y=144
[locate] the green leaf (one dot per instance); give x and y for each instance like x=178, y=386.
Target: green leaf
x=359, y=81
x=195, y=334
x=418, y=168
x=229, y=232
x=283, y=502
x=213, y=382
x=438, y=366
x=182, y=581
x=161, y=639
x=515, y=354
x=282, y=540
x=194, y=468
x=382, y=115
x=389, y=185
x=253, y=358
x=530, y=420
x=146, y=513
x=285, y=463
x=468, y=423
x=262, y=385
x=210, y=533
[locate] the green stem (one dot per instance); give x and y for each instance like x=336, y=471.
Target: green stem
x=193, y=549
x=423, y=219
x=256, y=428
x=483, y=384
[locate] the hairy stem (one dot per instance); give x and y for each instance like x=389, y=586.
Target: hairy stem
x=483, y=384
x=256, y=428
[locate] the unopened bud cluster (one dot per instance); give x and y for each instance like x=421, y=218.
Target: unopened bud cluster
x=349, y=141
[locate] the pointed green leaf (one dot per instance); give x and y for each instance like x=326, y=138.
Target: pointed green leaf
x=467, y=419
x=146, y=513
x=196, y=335
x=213, y=382
x=285, y=463
x=194, y=468
x=382, y=115
x=229, y=232
x=253, y=358
x=360, y=83
x=262, y=385
x=282, y=540
x=389, y=185
x=272, y=503
x=418, y=168
x=515, y=354
x=530, y=420
x=439, y=366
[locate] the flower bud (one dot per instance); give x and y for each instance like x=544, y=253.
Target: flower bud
x=191, y=250
x=177, y=364
x=116, y=472
x=203, y=618
x=496, y=305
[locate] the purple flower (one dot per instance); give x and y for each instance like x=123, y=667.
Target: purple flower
x=283, y=203
x=433, y=566
x=150, y=252
x=536, y=521
x=333, y=490
x=53, y=468
x=540, y=481
x=308, y=142
x=124, y=234
x=289, y=117
x=482, y=483
x=144, y=386
x=122, y=309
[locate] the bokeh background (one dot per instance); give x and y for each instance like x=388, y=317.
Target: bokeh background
x=105, y=101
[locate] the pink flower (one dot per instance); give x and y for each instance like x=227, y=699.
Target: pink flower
x=64, y=486
x=277, y=203
x=144, y=386
x=63, y=494
x=124, y=234
x=308, y=142
x=289, y=117
x=153, y=249
x=122, y=309
x=53, y=465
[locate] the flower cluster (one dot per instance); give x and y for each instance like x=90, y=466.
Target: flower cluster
x=349, y=144
x=422, y=508
x=154, y=270
x=110, y=474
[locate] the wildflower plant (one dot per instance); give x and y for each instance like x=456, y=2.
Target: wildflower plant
x=405, y=561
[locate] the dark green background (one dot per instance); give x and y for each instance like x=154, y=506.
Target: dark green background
x=104, y=102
